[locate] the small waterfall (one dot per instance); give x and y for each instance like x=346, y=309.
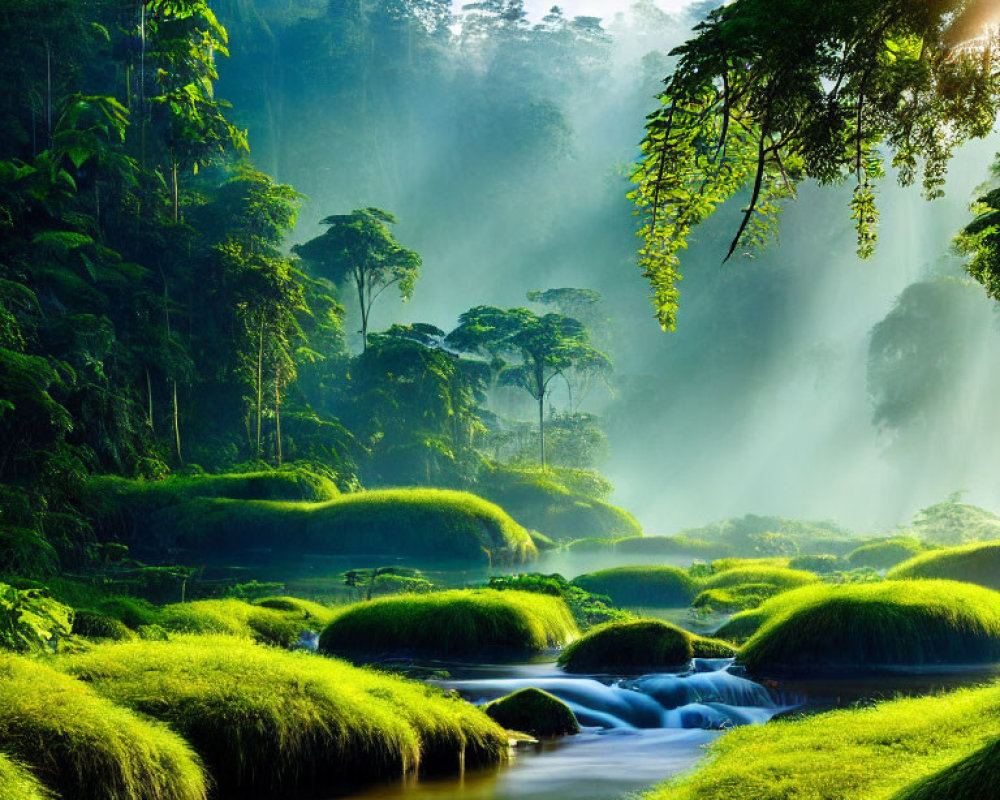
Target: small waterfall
x=710, y=699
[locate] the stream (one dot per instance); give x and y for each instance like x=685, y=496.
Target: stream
x=636, y=732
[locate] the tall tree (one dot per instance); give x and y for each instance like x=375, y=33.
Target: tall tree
x=772, y=92
x=360, y=249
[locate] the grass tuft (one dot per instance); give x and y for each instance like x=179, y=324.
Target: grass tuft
x=455, y=624
x=641, y=586
x=87, y=747
x=17, y=782
x=971, y=563
x=865, y=627
x=270, y=721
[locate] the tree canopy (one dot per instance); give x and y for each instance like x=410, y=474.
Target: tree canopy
x=769, y=93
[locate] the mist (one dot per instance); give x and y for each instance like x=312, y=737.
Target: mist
x=505, y=156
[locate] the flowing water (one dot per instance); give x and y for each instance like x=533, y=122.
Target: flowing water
x=637, y=732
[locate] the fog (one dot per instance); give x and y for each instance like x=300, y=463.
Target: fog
x=505, y=155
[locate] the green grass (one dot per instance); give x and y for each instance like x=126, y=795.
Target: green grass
x=734, y=598
x=860, y=627
x=430, y=523
x=886, y=553
x=85, y=746
x=456, y=624
x=781, y=578
x=556, y=503
x=864, y=754
x=975, y=777
x=234, y=618
x=661, y=587
x=533, y=711
x=270, y=721
x=972, y=563
x=17, y=782
x=637, y=645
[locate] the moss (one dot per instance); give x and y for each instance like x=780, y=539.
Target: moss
x=234, y=618
x=869, y=753
x=734, y=598
x=641, y=586
x=885, y=553
x=865, y=627
x=87, y=747
x=742, y=626
x=270, y=721
x=726, y=564
x=455, y=624
x=309, y=615
x=533, y=711
x=820, y=564
x=975, y=777
x=972, y=563
x=17, y=782
x=552, y=501
x=94, y=625
x=707, y=647
x=630, y=646
x=444, y=525
x=132, y=611
x=781, y=578
x=671, y=546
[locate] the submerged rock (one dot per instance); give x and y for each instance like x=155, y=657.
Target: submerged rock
x=534, y=711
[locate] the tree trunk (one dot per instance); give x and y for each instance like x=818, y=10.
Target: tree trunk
x=177, y=204
x=260, y=379
x=277, y=416
x=364, y=316
x=177, y=427
x=149, y=395
x=541, y=428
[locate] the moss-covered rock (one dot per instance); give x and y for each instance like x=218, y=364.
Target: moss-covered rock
x=533, y=711
x=734, y=598
x=629, y=647
x=87, y=747
x=870, y=627
x=663, y=587
x=17, y=782
x=971, y=563
x=94, y=625
x=234, y=618
x=267, y=721
x=781, y=578
x=418, y=523
x=456, y=624
x=975, y=777
x=885, y=553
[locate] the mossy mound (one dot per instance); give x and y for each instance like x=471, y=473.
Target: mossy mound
x=17, y=782
x=885, y=553
x=456, y=624
x=94, y=625
x=533, y=711
x=820, y=564
x=233, y=618
x=870, y=753
x=132, y=611
x=781, y=578
x=971, y=563
x=869, y=627
x=310, y=616
x=975, y=777
x=734, y=598
x=418, y=523
x=670, y=546
x=662, y=587
x=556, y=503
x=270, y=721
x=87, y=747
x=740, y=627
x=634, y=646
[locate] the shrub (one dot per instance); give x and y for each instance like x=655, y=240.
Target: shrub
x=637, y=645
x=17, y=783
x=641, y=586
x=873, y=626
x=533, y=711
x=454, y=624
x=30, y=620
x=87, y=747
x=971, y=563
x=844, y=755
x=270, y=721
x=885, y=553
x=587, y=609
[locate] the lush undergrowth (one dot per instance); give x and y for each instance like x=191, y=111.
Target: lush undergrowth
x=456, y=624
x=269, y=721
x=17, y=782
x=637, y=645
x=429, y=523
x=972, y=563
x=975, y=777
x=556, y=503
x=533, y=711
x=587, y=608
x=641, y=586
x=848, y=628
x=84, y=746
x=886, y=553
x=869, y=753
